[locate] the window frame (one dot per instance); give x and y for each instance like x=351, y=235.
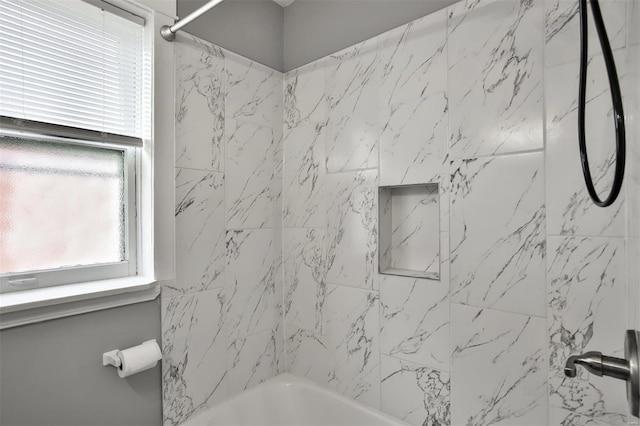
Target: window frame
x=85, y=273
x=138, y=157
x=156, y=186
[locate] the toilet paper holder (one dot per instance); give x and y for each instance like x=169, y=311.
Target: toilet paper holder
x=111, y=358
x=117, y=359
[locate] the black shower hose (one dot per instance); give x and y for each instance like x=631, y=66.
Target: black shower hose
x=616, y=99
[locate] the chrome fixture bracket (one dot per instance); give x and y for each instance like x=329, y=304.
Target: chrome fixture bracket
x=627, y=369
x=633, y=382
x=167, y=34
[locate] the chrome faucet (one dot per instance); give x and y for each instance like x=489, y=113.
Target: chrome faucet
x=598, y=364
x=626, y=369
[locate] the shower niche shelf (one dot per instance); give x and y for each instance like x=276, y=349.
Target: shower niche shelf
x=409, y=240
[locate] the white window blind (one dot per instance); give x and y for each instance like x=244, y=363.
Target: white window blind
x=71, y=64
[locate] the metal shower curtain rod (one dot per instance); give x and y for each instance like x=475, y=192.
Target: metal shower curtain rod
x=169, y=32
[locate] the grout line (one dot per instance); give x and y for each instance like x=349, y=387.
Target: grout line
x=378, y=334
x=355, y=288
x=318, y=228
x=197, y=169
x=505, y=154
x=270, y=228
x=500, y=311
x=603, y=237
x=591, y=56
x=447, y=170
x=270, y=330
x=545, y=180
x=327, y=173
x=176, y=293
x=414, y=362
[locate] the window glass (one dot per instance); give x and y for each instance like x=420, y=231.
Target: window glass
x=60, y=205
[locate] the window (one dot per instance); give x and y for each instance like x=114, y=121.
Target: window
x=73, y=116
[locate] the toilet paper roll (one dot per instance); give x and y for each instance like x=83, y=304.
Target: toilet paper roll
x=139, y=358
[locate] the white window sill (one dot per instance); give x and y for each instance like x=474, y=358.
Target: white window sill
x=42, y=304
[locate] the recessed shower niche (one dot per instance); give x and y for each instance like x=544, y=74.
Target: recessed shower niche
x=409, y=241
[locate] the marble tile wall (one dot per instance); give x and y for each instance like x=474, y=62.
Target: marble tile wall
x=633, y=107
x=222, y=322
x=586, y=265
x=277, y=220
x=481, y=99
x=632, y=88
x=375, y=114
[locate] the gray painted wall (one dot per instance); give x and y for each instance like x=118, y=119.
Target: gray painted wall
x=51, y=372
x=287, y=38
x=251, y=28
x=316, y=28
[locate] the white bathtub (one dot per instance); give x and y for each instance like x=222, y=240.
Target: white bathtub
x=287, y=400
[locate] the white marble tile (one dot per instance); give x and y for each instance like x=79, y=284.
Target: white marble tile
x=633, y=281
x=307, y=354
x=304, y=176
x=279, y=291
x=410, y=230
x=250, y=169
x=445, y=259
x=250, y=361
x=633, y=184
x=199, y=226
x=352, y=99
x=277, y=196
x=352, y=332
x=278, y=252
x=633, y=32
x=631, y=99
x=495, y=77
x=194, y=354
x=250, y=282
x=352, y=229
x=414, y=393
x=277, y=115
x=277, y=127
x=278, y=263
x=351, y=144
x=280, y=363
x=305, y=96
x=562, y=29
x=413, y=141
x=414, y=320
x=498, y=370
x=633, y=223
x=562, y=417
x=445, y=195
x=251, y=90
x=413, y=60
x=498, y=233
x=199, y=105
x=587, y=311
x=570, y=210
x=305, y=272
